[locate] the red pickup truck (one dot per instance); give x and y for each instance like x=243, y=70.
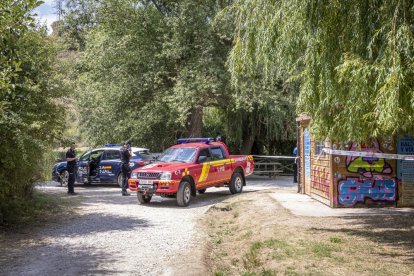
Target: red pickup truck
x=190, y=166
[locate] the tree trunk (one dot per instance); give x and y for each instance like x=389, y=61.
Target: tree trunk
x=247, y=143
x=195, y=122
x=249, y=134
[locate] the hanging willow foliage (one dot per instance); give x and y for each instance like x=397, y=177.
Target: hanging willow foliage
x=354, y=60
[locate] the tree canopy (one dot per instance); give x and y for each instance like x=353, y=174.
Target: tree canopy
x=353, y=60
x=154, y=71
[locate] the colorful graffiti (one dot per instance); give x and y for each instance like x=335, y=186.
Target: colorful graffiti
x=353, y=190
x=367, y=166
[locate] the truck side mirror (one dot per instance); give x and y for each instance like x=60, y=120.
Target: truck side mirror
x=202, y=159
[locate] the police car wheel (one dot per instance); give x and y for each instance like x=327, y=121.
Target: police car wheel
x=202, y=191
x=64, y=177
x=184, y=194
x=119, y=180
x=142, y=199
x=236, y=183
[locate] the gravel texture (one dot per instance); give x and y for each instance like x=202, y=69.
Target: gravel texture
x=112, y=234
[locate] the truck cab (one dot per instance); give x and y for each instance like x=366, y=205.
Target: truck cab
x=192, y=165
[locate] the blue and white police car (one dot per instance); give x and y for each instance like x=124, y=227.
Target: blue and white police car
x=101, y=165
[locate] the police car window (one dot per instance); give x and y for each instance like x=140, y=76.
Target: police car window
x=111, y=154
x=145, y=155
x=217, y=153
x=85, y=156
x=96, y=154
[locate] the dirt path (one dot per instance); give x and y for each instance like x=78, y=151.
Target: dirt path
x=110, y=234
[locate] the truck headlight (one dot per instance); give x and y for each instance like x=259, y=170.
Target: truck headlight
x=165, y=176
x=134, y=175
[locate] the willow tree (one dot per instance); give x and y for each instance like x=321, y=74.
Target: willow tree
x=353, y=59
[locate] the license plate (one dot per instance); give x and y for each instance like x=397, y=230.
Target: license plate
x=145, y=181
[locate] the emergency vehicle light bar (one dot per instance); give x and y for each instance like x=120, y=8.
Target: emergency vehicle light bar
x=195, y=140
x=112, y=145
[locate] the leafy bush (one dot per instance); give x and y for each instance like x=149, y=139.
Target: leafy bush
x=30, y=114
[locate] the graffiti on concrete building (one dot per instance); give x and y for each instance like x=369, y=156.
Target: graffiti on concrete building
x=353, y=190
x=367, y=166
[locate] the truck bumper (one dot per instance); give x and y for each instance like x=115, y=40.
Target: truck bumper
x=156, y=187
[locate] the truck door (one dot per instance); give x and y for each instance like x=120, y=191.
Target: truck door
x=204, y=172
x=109, y=166
x=222, y=166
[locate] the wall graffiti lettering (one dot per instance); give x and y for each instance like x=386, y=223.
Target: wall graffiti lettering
x=367, y=166
x=321, y=179
x=353, y=190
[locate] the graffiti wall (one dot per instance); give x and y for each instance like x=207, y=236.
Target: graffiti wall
x=321, y=180
x=365, y=181
x=353, y=190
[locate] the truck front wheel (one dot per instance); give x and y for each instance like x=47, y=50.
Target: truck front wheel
x=184, y=194
x=236, y=183
x=142, y=199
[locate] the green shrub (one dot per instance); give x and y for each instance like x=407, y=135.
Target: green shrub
x=30, y=116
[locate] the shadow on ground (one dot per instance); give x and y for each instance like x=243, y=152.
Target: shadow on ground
x=94, y=223
x=77, y=261
x=396, y=230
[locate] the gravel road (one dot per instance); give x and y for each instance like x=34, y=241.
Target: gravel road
x=111, y=234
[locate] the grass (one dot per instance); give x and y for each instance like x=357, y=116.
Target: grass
x=282, y=244
x=321, y=249
x=335, y=239
x=37, y=209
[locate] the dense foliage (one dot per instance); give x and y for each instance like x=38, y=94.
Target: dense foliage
x=153, y=71
x=30, y=117
x=353, y=59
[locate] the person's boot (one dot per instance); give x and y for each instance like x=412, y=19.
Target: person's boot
x=126, y=193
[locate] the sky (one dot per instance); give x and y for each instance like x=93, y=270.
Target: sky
x=46, y=14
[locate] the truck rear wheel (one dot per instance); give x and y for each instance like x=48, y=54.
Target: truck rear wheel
x=143, y=199
x=184, y=194
x=236, y=183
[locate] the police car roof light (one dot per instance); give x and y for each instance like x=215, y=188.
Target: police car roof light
x=195, y=140
x=112, y=145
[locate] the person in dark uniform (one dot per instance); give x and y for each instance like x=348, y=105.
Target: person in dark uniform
x=71, y=166
x=125, y=158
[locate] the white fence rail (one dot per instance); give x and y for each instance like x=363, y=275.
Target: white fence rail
x=273, y=165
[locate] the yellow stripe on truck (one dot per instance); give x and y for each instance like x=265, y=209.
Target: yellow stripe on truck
x=204, y=172
x=223, y=162
x=206, y=167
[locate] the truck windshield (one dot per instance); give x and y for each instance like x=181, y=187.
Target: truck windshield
x=178, y=155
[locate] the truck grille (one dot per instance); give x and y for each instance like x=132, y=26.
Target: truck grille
x=147, y=175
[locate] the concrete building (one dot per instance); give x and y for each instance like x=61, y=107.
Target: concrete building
x=375, y=174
